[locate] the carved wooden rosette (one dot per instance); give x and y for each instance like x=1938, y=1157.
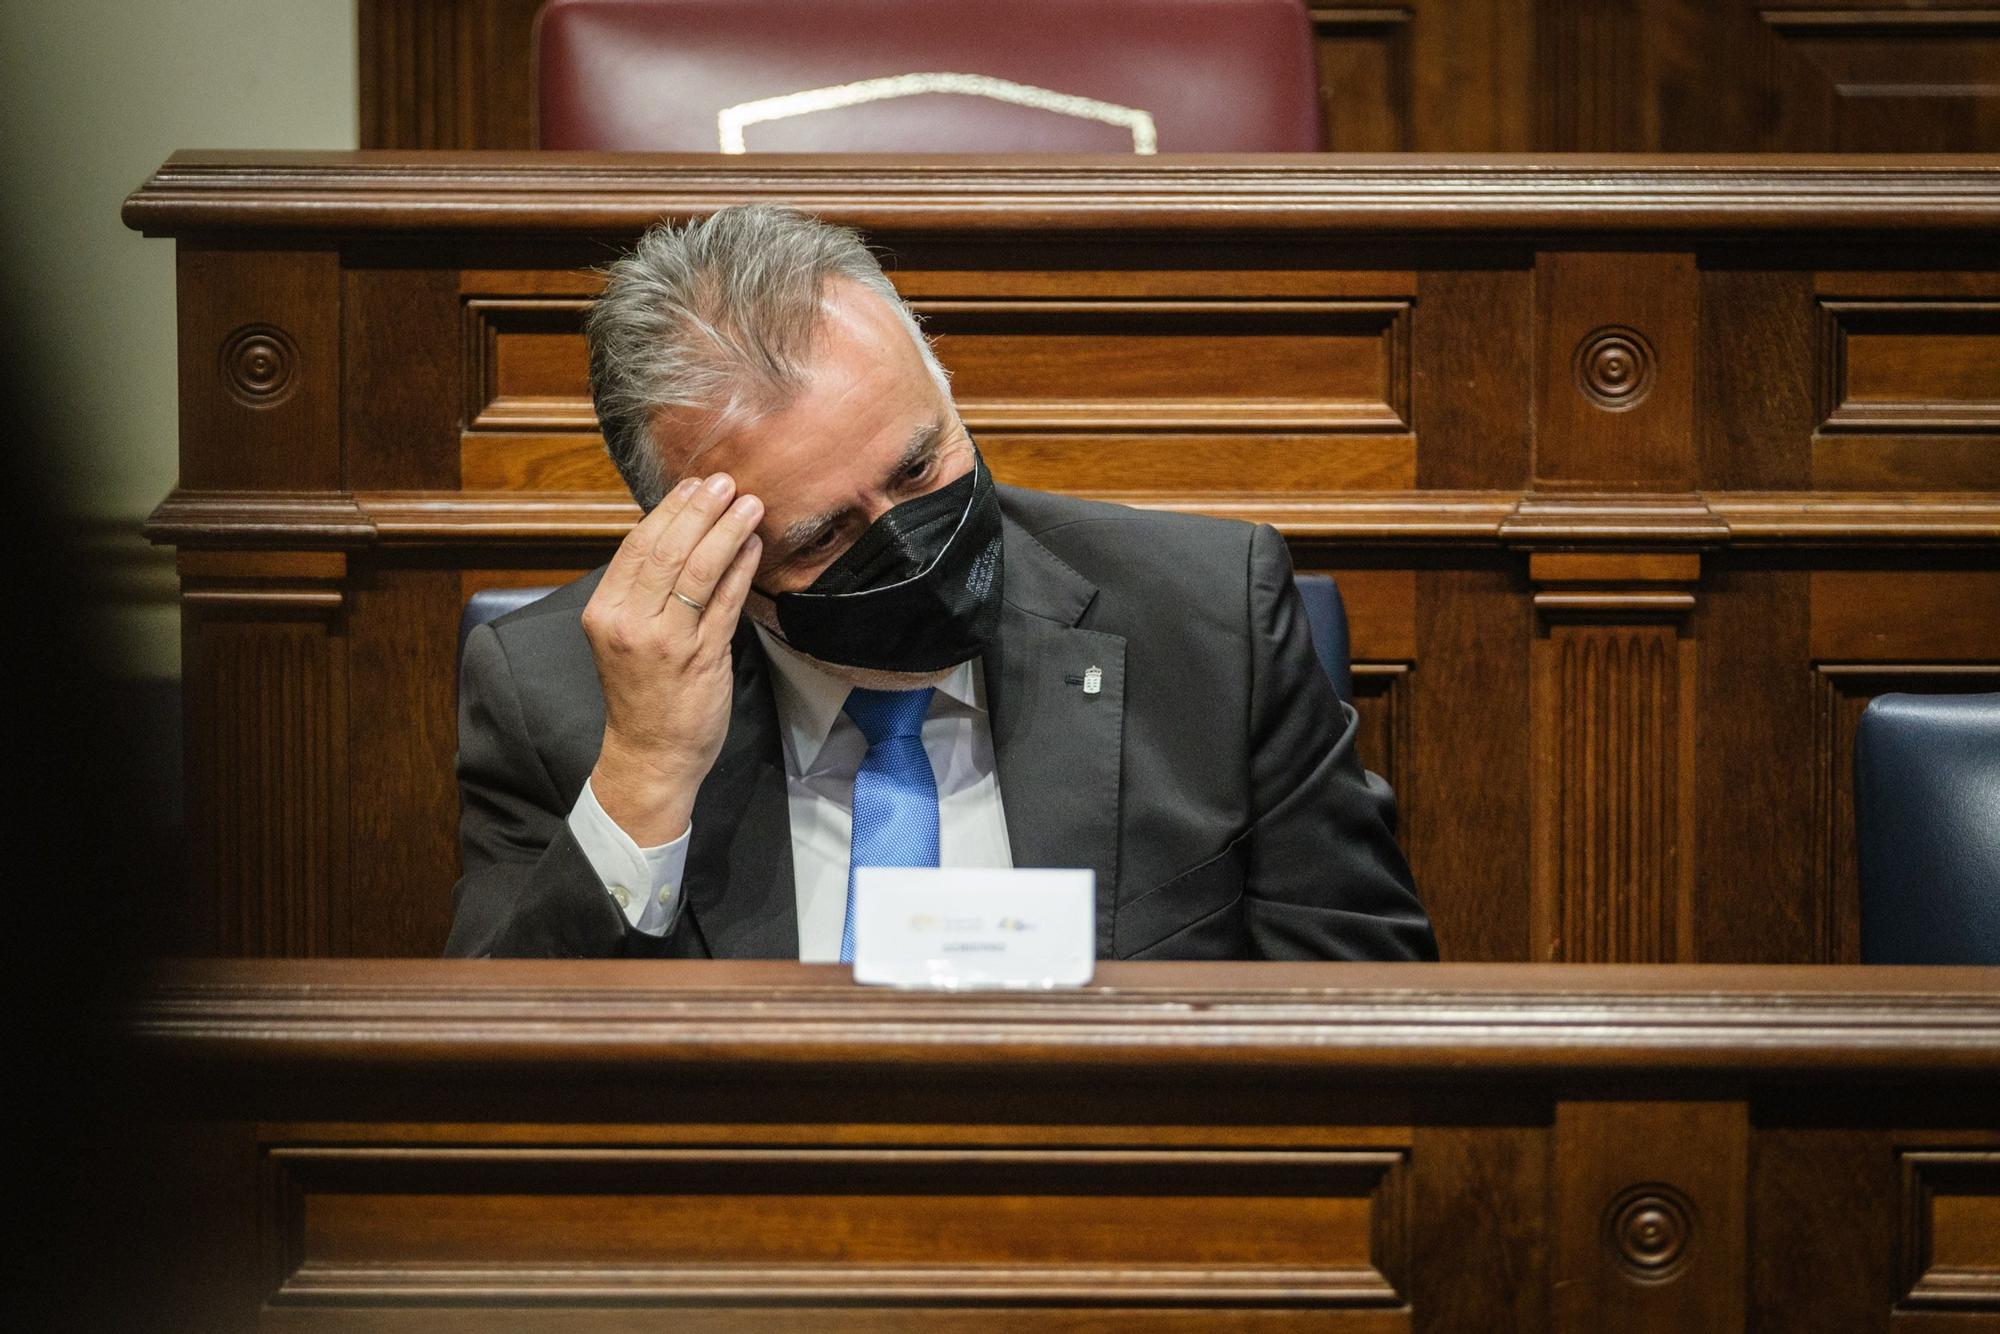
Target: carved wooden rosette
x=1650, y=1201
x=1614, y=675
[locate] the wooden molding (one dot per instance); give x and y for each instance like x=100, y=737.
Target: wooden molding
x=259, y=518
x=325, y=192
x=1521, y=519
x=263, y=581
x=1807, y=517
x=1654, y=520
x=444, y=1020
x=1627, y=585
x=1948, y=1258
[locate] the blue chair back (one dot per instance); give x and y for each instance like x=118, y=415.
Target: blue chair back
x=1927, y=819
x=490, y=604
x=1325, y=613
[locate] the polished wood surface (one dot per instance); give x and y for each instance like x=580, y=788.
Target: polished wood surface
x=1451, y=76
x=517, y=1145
x=1640, y=476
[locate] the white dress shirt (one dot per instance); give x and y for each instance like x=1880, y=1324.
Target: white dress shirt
x=823, y=749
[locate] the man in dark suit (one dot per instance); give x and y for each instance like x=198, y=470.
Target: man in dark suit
x=834, y=641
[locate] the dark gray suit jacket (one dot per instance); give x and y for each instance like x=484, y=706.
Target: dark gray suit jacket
x=1211, y=783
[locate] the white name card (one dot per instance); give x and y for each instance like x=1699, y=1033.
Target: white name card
x=956, y=928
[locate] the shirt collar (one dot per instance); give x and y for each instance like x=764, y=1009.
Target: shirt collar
x=810, y=702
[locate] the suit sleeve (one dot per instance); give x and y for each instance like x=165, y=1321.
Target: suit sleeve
x=528, y=888
x=1325, y=877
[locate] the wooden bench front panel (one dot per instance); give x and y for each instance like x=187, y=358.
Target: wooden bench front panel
x=1639, y=480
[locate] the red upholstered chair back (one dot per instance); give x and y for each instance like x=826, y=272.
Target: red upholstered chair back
x=910, y=76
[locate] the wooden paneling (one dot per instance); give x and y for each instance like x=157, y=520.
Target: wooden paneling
x=1909, y=394
x=1480, y=1270
x=1599, y=66
x=401, y=412
x=877, y=1226
x=1606, y=604
x=1650, y=1214
x=1363, y=56
x=446, y=73
x=1468, y=822
x=1473, y=372
x=1623, y=416
x=1096, y=395
x=1753, y=780
x=1064, y=379
x=1816, y=1264
x=528, y=365
x=429, y=1144
x=1871, y=78
x=1932, y=615
x=266, y=745
x=1465, y=76
x=1754, y=391
x=528, y=422
x=1913, y=366
x=403, y=679
x=1950, y=1253
x=268, y=383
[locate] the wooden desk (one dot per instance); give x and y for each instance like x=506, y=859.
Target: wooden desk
x=509, y=1145
x=1640, y=476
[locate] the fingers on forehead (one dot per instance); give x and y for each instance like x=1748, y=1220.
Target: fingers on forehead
x=670, y=505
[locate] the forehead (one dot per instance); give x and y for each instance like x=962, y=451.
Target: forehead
x=865, y=389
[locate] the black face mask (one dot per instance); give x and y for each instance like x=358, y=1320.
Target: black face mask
x=918, y=592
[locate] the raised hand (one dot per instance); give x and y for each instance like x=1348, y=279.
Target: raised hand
x=659, y=626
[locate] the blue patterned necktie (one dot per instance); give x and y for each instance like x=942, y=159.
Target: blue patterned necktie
x=895, y=792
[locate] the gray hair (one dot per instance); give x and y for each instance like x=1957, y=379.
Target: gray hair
x=717, y=317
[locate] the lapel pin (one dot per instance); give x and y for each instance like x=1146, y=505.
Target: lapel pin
x=1093, y=680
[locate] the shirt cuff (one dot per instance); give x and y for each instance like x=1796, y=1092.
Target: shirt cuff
x=645, y=883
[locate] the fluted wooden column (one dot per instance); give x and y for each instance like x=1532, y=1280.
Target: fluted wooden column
x=266, y=727
x=1613, y=714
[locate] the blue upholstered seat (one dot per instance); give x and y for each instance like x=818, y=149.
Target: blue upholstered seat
x=1927, y=816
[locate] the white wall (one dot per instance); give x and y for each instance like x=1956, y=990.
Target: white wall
x=93, y=95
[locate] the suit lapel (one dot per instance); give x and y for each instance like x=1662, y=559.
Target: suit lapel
x=1057, y=742
x=738, y=883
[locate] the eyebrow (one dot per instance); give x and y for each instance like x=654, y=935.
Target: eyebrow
x=924, y=441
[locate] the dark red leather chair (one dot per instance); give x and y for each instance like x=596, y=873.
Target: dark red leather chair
x=910, y=76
